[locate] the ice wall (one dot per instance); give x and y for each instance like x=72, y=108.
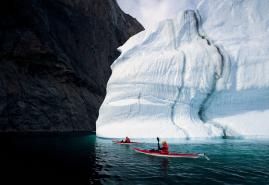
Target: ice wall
x=201, y=74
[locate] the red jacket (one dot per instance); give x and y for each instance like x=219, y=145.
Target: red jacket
x=165, y=148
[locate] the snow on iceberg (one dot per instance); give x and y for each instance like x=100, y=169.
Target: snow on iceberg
x=202, y=74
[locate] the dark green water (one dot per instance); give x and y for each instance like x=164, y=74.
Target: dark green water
x=85, y=159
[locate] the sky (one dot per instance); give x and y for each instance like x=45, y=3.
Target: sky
x=150, y=12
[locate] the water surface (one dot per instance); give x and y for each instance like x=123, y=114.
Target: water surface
x=85, y=159
x=231, y=162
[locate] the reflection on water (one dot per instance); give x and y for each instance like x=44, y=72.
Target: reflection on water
x=85, y=159
x=48, y=159
x=165, y=166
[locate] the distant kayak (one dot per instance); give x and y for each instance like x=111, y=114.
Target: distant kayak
x=172, y=154
x=123, y=143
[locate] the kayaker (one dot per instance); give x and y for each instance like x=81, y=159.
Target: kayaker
x=127, y=140
x=165, y=148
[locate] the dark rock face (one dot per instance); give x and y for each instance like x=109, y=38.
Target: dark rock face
x=55, y=58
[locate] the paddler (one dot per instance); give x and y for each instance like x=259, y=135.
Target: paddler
x=165, y=147
x=127, y=140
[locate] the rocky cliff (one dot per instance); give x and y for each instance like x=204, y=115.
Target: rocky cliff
x=55, y=58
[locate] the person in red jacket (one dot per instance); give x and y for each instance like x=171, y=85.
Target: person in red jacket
x=165, y=148
x=127, y=140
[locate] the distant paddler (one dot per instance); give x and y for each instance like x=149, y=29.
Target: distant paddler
x=126, y=140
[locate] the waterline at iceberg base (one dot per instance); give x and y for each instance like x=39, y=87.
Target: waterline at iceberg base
x=202, y=74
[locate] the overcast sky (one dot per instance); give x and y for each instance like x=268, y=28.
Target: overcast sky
x=150, y=12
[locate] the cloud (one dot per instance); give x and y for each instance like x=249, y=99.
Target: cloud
x=150, y=12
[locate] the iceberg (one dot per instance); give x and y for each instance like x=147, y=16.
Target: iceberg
x=202, y=74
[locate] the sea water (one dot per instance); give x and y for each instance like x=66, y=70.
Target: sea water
x=86, y=159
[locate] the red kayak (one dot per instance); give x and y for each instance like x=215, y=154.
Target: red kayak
x=175, y=155
x=123, y=143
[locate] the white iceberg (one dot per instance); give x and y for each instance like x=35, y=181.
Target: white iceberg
x=202, y=74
